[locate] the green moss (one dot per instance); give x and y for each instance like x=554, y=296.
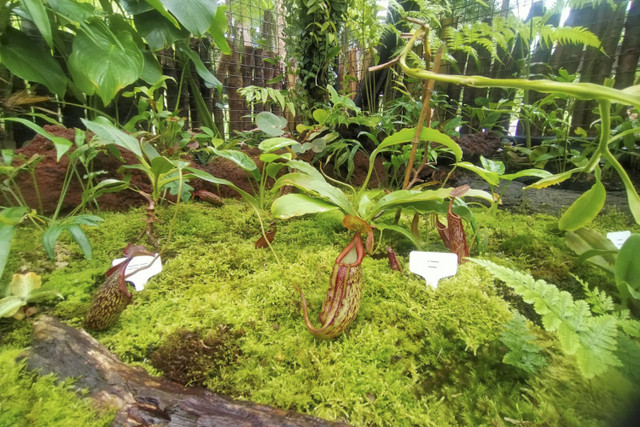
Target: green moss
x=28, y=399
x=414, y=355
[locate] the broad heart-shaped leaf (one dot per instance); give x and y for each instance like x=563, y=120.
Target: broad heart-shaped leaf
x=104, y=129
x=538, y=173
x=271, y=124
x=317, y=188
x=583, y=240
x=491, y=177
x=72, y=10
x=158, y=32
x=38, y=13
x=22, y=284
x=427, y=134
x=291, y=205
x=273, y=144
x=31, y=61
x=10, y=305
x=210, y=80
x=584, y=209
x=9, y=218
x=627, y=268
x=196, y=16
x=107, y=61
x=240, y=159
x=553, y=179
x=62, y=145
x=218, y=28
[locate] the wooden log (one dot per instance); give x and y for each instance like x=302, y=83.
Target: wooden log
x=143, y=400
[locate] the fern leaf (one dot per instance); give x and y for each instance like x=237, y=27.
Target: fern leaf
x=592, y=340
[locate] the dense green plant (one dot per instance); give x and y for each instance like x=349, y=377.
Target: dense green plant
x=591, y=204
x=593, y=340
x=523, y=352
x=23, y=289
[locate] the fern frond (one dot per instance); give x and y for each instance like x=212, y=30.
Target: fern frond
x=523, y=351
x=592, y=340
x=568, y=35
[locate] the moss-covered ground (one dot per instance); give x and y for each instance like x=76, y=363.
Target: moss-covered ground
x=413, y=356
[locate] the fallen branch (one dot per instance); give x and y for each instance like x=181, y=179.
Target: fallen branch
x=141, y=399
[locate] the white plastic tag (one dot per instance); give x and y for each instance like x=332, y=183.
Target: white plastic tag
x=618, y=237
x=433, y=266
x=140, y=278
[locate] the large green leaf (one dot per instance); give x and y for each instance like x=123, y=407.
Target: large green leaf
x=271, y=124
x=537, y=173
x=108, y=61
x=151, y=72
x=318, y=188
x=427, y=134
x=108, y=132
x=307, y=168
x=491, y=177
x=196, y=16
x=31, y=61
x=627, y=269
x=61, y=144
x=553, y=179
x=10, y=305
x=218, y=28
x=9, y=218
x=209, y=79
x=38, y=13
x=240, y=159
x=158, y=6
x=584, y=209
x=273, y=144
x=401, y=230
x=72, y=10
x=158, y=32
x=583, y=240
x=291, y=205
x=406, y=198
x=205, y=176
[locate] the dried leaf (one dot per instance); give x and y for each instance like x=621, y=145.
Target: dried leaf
x=394, y=264
x=209, y=197
x=270, y=234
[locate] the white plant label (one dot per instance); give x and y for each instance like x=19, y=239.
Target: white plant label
x=618, y=237
x=433, y=266
x=140, y=278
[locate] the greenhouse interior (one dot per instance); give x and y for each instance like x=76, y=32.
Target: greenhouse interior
x=319, y=212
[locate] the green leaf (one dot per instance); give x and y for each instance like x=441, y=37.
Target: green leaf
x=151, y=71
x=273, y=169
x=218, y=28
x=491, y=177
x=317, y=188
x=107, y=61
x=291, y=205
x=321, y=115
x=42, y=294
x=22, y=284
x=205, y=176
x=196, y=17
x=158, y=6
x=209, y=79
x=406, y=198
x=271, y=124
x=584, y=240
x=161, y=165
x=273, y=144
x=10, y=305
x=427, y=134
x=306, y=168
x=50, y=237
x=492, y=165
x=553, y=179
x=240, y=159
x=38, y=13
x=72, y=10
x=104, y=129
x=401, y=230
x=158, y=32
x=627, y=268
x=62, y=145
x=538, y=173
x=32, y=62
x=9, y=218
x=584, y=209
x=81, y=239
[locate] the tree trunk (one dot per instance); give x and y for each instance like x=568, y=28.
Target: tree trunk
x=630, y=50
x=142, y=400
